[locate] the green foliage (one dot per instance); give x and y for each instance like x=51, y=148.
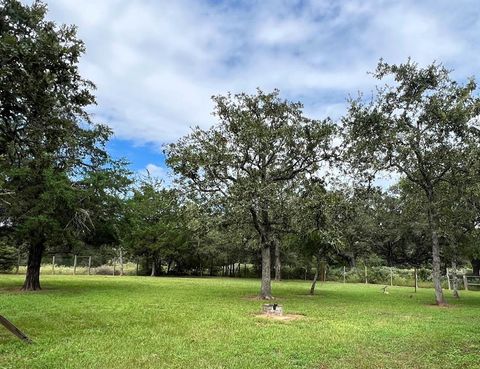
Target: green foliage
x=8, y=256
x=260, y=145
x=154, y=224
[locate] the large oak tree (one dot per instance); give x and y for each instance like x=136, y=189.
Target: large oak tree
x=260, y=145
x=421, y=126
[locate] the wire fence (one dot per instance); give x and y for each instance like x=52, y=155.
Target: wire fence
x=71, y=264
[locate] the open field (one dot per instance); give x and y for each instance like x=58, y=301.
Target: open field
x=143, y=322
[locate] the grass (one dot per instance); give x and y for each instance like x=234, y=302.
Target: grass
x=144, y=322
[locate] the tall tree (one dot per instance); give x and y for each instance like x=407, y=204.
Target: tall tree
x=318, y=217
x=47, y=141
x=153, y=223
x=260, y=145
x=419, y=127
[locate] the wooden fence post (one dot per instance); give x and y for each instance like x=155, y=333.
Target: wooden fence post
x=74, y=264
x=53, y=264
x=114, y=267
x=465, y=282
x=448, y=281
x=14, y=330
x=391, y=276
x=416, y=280
x=121, y=261
x=89, y=264
x=136, y=268
x=366, y=277
x=18, y=263
x=344, y=274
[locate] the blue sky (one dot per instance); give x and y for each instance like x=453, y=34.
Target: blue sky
x=156, y=63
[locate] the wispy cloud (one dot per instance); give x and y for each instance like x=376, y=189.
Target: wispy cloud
x=157, y=63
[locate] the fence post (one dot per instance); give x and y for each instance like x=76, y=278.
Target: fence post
x=74, y=264
x=114, y=267
x=325, y=273
x=89, y=264
x=136, y=269
x=344, y=274
x=366, y=277
x=465, y=282
x=121, y=261
x=416, y=280
x=448, y=281
x=391, y=276
x=53, y=264
x=18, y=263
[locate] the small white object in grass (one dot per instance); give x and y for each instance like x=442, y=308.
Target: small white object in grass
x=273, y=309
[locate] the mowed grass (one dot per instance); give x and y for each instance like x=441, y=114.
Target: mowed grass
x=144, y=322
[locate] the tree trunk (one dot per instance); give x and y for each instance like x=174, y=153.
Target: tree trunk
x=264, y=231
x=436, y=273
x=476, y=266
x=278, y=263
x=153, y=269
x=266, y=287
x=315, y=278
x=454, y=277
x=32, y=279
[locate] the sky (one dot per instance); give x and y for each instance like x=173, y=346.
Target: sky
x=156, y=63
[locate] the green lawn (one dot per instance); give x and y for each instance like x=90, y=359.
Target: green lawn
x=143, y=322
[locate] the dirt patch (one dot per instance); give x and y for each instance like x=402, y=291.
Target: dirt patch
x=282, y=318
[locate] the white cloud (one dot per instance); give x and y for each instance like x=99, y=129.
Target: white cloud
x=156, y=63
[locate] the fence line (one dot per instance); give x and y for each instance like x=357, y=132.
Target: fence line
x=84, y=264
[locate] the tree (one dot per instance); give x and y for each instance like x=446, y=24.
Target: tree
x=319, y=213
x=260, y=145
x=153, y=223
x=48, y=142
x=420, y=128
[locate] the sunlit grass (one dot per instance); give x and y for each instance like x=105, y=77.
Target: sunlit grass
x=143, y=322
